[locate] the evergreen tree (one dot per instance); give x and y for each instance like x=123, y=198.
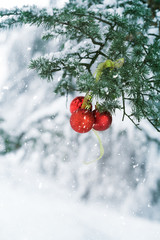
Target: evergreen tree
x=92, y=35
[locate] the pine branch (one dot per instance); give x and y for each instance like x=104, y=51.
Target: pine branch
x=136, y=124
x=93, y=16
x=95, y=35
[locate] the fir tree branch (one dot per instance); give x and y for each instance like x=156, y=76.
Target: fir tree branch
x=103, y=54
x=81, y=30
x=155, y=35
x=92, y=15
x=149, y=120
x=136, y=124
x=155, y=89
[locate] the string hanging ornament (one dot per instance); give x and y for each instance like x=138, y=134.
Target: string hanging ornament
x=83, y=119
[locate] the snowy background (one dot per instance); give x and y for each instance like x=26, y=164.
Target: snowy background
x=46, y=190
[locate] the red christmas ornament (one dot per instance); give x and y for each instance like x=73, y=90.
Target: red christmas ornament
x=102, y=120
x=82, y=120
x=77, y=103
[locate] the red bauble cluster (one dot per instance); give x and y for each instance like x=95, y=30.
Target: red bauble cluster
x=83, y=120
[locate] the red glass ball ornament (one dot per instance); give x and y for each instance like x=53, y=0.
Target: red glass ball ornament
x=77, y=103
x=82, y=120
x=102, y=120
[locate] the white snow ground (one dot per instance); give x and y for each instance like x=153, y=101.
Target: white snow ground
x=33, y=208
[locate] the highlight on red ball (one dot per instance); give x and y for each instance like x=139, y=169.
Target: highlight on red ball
x=82, y=120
